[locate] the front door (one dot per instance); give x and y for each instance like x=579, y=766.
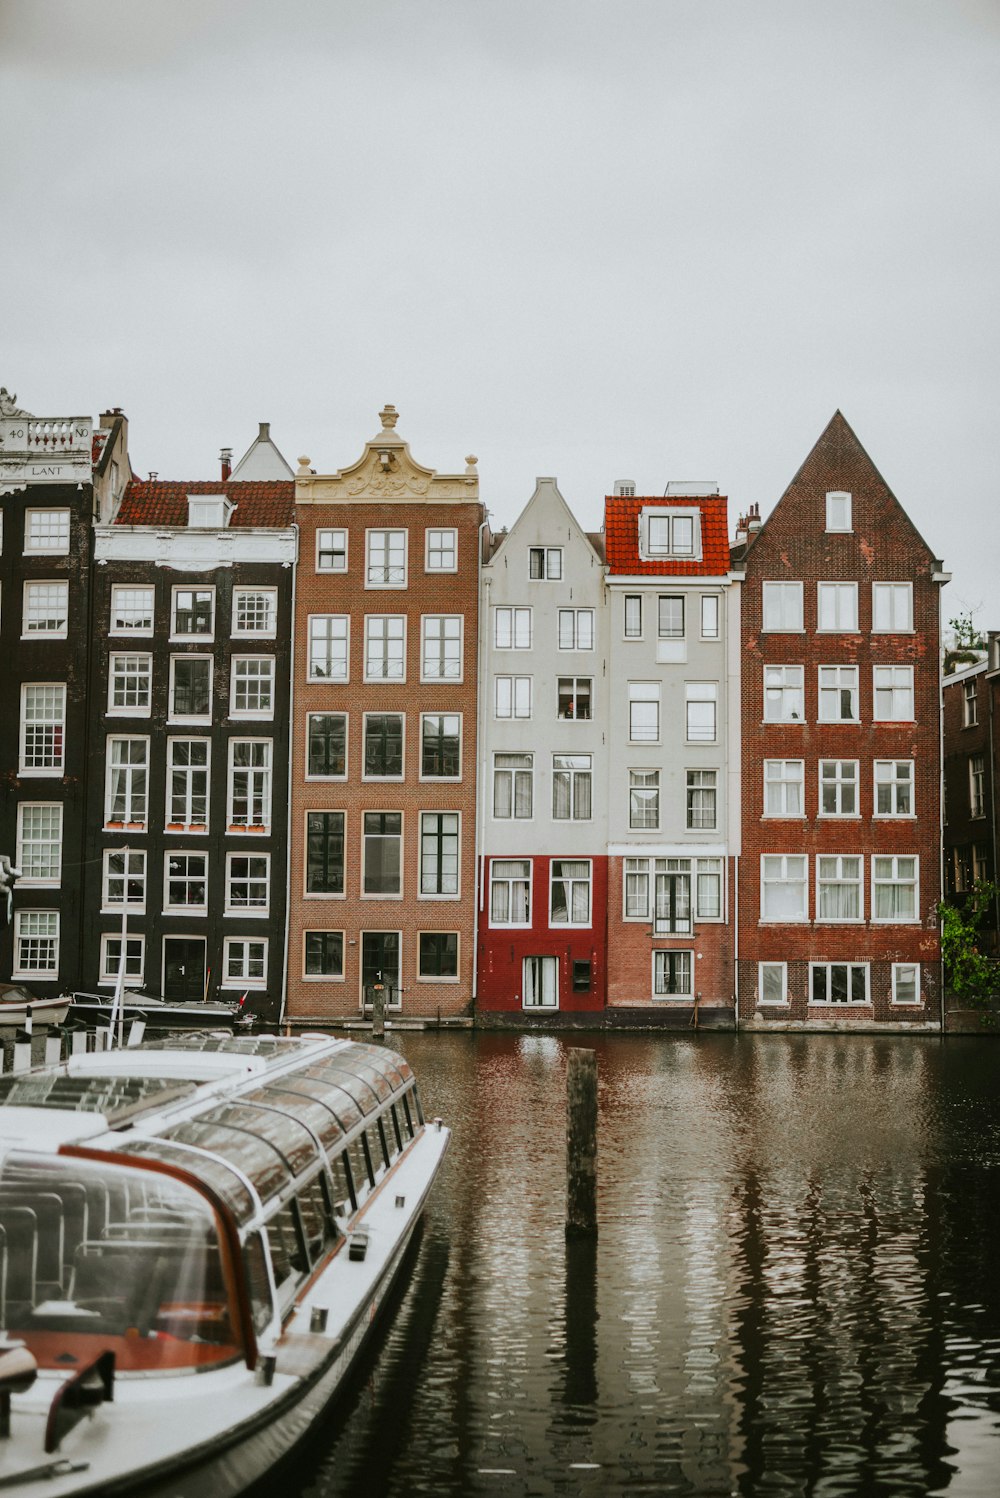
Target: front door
x=380, y=964
x=184, y=968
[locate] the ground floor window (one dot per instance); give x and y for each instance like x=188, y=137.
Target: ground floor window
x=772, y=983
x=838, y=982
x=111, y=956
x=36, y=944
x=569, y=902
x=541, y=983
x=244, y=962
x=673, y=975
x=906, y=983
x=438, y=954
x=323, y=954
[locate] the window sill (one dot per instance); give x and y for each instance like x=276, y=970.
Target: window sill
x=894, y=816
x=322, y=977
x=324, y=894
x=196, y=829
x=438, y=978
x=256, y=914
x=672, y=998
x=838, y=816
x=783, y=816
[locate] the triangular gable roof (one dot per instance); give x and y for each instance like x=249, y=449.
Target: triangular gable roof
x=621, y=535
x=546, y=491
x=262, y=460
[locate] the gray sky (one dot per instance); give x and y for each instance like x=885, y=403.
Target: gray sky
x=641, y=238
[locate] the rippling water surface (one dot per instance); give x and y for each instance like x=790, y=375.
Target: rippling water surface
x=795, y=1290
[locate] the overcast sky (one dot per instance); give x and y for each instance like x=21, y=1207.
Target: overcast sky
x=639, y=238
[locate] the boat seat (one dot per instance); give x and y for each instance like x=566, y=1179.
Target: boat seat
x=20, y=1229
x=48, y=1210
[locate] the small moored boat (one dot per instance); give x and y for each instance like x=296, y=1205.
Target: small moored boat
x=195, y=1238
x=159, y=1014
x=18, y=1004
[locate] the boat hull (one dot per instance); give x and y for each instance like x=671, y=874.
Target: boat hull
x=95, y=1009
x=47, y=1011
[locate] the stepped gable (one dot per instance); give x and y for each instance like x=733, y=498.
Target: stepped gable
x=621, y=536
x=257, y=504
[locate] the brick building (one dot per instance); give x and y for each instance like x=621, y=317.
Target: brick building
x=840, y=867
x=383, y=801
x=971, y=706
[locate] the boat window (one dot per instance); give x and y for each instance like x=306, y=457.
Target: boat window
x=334, y=1072
x=255, y=1157
x=397, y=1132
x=310, y=1102
x=389, y=1146
x=283, y=1133
x=289, y=1259
x=214, y=1172
x=361, y=1174
x=96, y=1256
x=258, y=1284
x=376, y=1155
x=343, y=1186
x=317, y=1221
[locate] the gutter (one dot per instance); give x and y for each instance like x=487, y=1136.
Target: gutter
x=480, y=863
x=288, y=780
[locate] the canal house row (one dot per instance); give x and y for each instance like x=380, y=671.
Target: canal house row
x=334, y=732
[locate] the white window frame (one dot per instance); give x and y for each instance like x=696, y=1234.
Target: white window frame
x=445, y=894
x=551, y=564
x=254, y=950
x=634, y=599
x=699, y=695
x=511, y=697
x=709, y=868
x=448, y=663
x=635, y=906
x=28, y=839
x=839, y=499
x=894, y=881
x=896, y=970
x=579, y=687
x=454, y=977
x=188, y=773
x=335, y=628
x=838, y=782
x=135, y=958
x=781, y=608
x=47, y=532
x=132, y=768
x=546, y=962
x=893, y=594
x=573, y=625
x=258, y=910
x=194, y=718
x=782, y=880
x=53, y=724
x=323, y=548
x=837, y=603
x=388, y=631
x=666, y=628
x=711, y=616
x=977, y=785
x=638, y=819
x=131, y=670
x=386, y=837
x=660, y=534
x=336, y=713
x=829, y=1003
x=576, y=772
x=365, y=773
x=335, y=977
x=31, y=607
x=23, y=921
x=133, y=873
x=695, y=789
x=514, y=772
x=512, y=628
x=117, y=626
x=264, y=678
x=790, y=680
x=441, y=779
x=440, y=548
x=839, y=877
x=970, y=703
x=782, y=968
x=201, y=637
x=844, y=679
x=643, y=694
x=185, y=907
x=790, y=774
x=571, y=880
x=260, y=787
x=661, y=960
x=269, y=629
x=893, y=781
x=508, y=881
x=900, y=687
x=387, y=566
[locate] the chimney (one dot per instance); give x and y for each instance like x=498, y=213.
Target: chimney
x=264, y=434
x=741, y=529
x=226, y=459
x=753, y=521
x=153, y=475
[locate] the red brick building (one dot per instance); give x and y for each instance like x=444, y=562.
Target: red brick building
x=840, y=867
x=383, y=802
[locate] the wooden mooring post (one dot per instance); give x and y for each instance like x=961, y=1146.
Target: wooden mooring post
x=581, y=1144
x=378, y=1010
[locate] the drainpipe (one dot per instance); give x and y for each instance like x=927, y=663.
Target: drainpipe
x=288, y=777
x=736, y=939
x=481, y=685
x=941, y=793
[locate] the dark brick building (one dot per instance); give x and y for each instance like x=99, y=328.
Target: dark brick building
x=971, y=704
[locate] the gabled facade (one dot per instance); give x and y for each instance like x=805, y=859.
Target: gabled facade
x=672, y=724
x=544, y=699
x=840, y=868
x=189, y=726
x=971, y=705
x=56, y=474
x=383, y=804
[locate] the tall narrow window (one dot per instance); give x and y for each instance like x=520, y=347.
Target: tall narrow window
x=327, y=739
x=43, y=727
x=187, y=783
x=970, y=703
x=512, y=697
x=540, y=983
x=384, y=745
x=838, y=887
x=977, y=785
x=571, y=787
x=329, y=636
x=670, y=617
x=894, y=887
x=838, y=694
x=39, y=842
x=637, y=889
x=510, y=892
x=709, y=616
x=442, y=647
x=36, y=944
x=701, y=800
x=893, y=694
x=250, y=783
x=385, y=647
x=838, y=787
x=439, y=853
x=643, y=712
x=382, y=860
x=441, y=746
x=644, y=799
x=128, y=765
x=709, y=889
x=783, y=788
x=512, y=785
x=838, y=511
x=324, y=853
x=570, y=892
x=672, y=913
x=386, y=559
x=576, y=629
x=700, y=706
x=633, y=616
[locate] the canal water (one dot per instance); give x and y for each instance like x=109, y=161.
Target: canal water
x=795, y=1289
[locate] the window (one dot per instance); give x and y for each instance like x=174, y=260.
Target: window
x=644, y=799
x=442, y=551
x=250, y=783
x=709, y=889
x=700, y=701
x=643, y=712
x=783, y=788
x=837, y=607
x=670, y=617
x=43, y=727
x=512, y=697
x=545, y=562
x=124, y=879
x=326, y=735
x=187, y=783
x=838, y=887
x=784, y=699
x=838, y=694
x=838, y=511
x=970, y=704
x=190, y=688
x=329, y=636
x=512, y=785
x=438, y=954
x=439, y=853
x=783, y=608
x=906, y=983
x=576, y=629
x=386, y=559
x=894, y=886
x=893, y=694
x=569, y=895
x=384, y=746
x=46, y=531
x=772, y=983
x=540, y=983
x=36, y=941
x=131, y=611
x=581, y=975
x=673, y=975
x=633, y=616
x=571, y=787
x=324, y=853
x=573, y=697
x=977, y=785
x=672, y=912
x=252, y=686
x=637, y=889
x=784, y=887
x=385, y=647
x=670, y=533
x=894, y=788
x=128, y=763
x=111, y=957
x=130, y=684
x=709, y=616
x=248, y=883
x=512, y=629
x=331, y=551
x=441, y=746
x=255, y=611
x=46, y=609
x=510, y=892
x=701, y=800
x=186, y=882
x=838, y=983
x=39, y=842
x=892, y=608
x=441, y=658
x=323, y=954
x=244, y=962
x=838, y=788
x=382, y=861
x=193, y=612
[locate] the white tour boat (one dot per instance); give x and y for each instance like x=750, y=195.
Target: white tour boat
x=196, y=1236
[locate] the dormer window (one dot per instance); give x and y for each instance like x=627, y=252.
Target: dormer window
x=209, y=511
x=838, y=511
x=670, y=534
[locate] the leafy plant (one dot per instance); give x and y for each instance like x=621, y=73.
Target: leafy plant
x=967, y=971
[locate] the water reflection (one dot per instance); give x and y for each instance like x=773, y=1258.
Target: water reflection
x=793, y=1291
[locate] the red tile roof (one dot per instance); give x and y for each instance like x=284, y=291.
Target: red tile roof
x=159, y=503
x=621, y=536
